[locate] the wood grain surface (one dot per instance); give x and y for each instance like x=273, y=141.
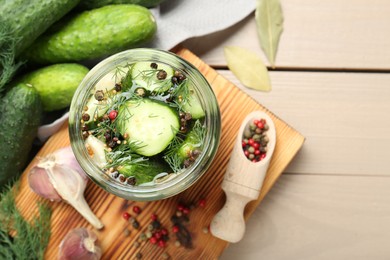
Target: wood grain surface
x=234, y=105
x=329, y=35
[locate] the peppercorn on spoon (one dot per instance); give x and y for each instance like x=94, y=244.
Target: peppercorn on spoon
x=242, y=182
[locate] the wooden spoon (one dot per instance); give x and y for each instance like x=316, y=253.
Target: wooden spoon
x=242, y=183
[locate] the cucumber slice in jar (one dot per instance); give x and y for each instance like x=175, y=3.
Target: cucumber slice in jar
x=191, y=103
x=97, y=108
x=149, y=125
x=154, y=77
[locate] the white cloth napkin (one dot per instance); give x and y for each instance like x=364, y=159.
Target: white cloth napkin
x=179, y=20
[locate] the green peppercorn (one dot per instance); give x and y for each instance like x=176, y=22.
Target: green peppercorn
x=247, y=133
x=251, y=149
x=141, y=92
x=258, y=131
x=99, y=95
x=252, y=126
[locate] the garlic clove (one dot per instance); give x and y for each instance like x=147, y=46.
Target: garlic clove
x=59, y=176
x=39, y=182
x=70, y=185
x=80, y=243
x=96, y=150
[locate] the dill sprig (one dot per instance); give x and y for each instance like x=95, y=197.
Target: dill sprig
x=31, y=239
x=124, y=154
x=8, y=66
x=174, y=161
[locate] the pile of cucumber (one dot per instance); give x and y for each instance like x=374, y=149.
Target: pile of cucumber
x=44, y=48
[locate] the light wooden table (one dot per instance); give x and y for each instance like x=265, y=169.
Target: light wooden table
x=332, y=84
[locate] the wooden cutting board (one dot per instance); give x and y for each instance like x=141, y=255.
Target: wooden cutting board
x=234, y=105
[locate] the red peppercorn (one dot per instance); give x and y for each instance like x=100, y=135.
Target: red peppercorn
x=255, y=121
x=256, y=145
x=126, y=215
x=153, y=240
x=136, y=209
x=186, y=211
x=260, y=125
x=175, y=229
x=153, y=217
x=262, y=156
x=257, y=152
x=180, y=207
x=164, y=232
x=202, y=203
x=157, y=235
x=113, y=114
x=243, y=143
x=246, y=152
x=162, y=243
x=250, y=141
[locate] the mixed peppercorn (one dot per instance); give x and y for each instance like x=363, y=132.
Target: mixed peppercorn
x=255, y=140
x=157, y=234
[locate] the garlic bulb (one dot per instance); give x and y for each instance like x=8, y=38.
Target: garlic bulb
x=79, y=244
x=58, y=176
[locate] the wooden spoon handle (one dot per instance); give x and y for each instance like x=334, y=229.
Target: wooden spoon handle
x=229, y=224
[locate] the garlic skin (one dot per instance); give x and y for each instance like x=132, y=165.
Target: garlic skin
x=79, y=244
x=59, y=176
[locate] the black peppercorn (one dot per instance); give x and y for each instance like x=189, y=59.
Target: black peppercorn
x=162, y=74
x=118, y=87
x=86, y=117
x=131, y=181
x=153, y=65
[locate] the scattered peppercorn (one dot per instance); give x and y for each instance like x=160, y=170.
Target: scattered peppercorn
x=135, y=224
x=138, y=255
x=136, y=209
x=126, y=215
x=126, y=232
x=165, y=255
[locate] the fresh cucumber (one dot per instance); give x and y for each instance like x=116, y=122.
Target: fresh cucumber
x=29, y=19
x=155, y=77
x=150, y=125
x=92, y=4
x=94, y=34
x=56, y=83
x=20, y=116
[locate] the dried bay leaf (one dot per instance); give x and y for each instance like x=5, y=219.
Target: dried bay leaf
x=248, y=68
x=269, y=21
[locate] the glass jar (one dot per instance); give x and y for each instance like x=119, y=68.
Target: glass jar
x=187, y=177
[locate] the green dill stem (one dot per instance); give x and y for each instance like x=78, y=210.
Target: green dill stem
x=31, y=239
x=8, y=66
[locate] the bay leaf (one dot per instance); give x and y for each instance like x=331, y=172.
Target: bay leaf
x=248, y=68
x=269, y=22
